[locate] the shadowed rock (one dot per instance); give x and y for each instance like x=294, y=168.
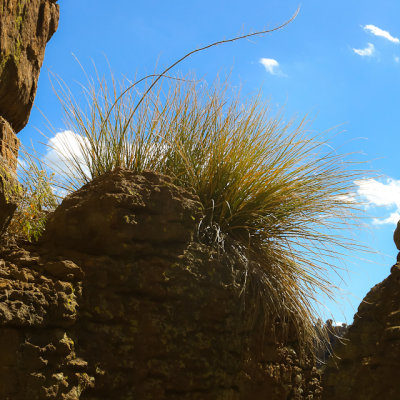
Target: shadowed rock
x=396, y=236
x=368, y=360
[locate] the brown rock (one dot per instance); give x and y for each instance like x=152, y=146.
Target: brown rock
x=123, y=213
x=25, y=28
x=122, y=302
x=65, y=270
x=8, y=195
x=38, y=358
x=9, y=145
x=368, y=360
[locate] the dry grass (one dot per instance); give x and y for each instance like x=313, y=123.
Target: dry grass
x=36, y=198
x=270, y=186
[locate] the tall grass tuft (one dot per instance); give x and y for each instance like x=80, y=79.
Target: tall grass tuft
x=270, y=186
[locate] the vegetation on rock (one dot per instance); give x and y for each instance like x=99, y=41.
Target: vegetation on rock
x=36, y=200
x=270, y=189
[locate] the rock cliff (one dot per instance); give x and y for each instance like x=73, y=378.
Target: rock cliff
x=25, y=28
x=120, y=301
x=367, y=361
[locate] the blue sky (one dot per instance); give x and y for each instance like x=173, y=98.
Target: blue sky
x=338, y=62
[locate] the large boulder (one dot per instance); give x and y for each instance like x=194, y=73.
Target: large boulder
x=367, y=362
x=123, y=302
x=25, y=28
x=124, y=214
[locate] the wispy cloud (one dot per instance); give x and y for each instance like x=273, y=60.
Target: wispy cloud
x=381, y=194
x=367, y=52
x=396, y=59
x=271, y=66
x=380, y=32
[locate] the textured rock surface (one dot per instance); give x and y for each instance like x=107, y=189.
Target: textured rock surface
x=8, y=198
x=124, y=214
x=9, y=145
x=123, y=303
x=25, y=28
x=369, y=360
x=37, y=352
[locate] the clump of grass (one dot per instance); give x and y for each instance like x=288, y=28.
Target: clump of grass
x=270, y=188
x=36, y=199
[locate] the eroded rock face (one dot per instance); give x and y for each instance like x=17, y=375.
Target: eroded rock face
x=9, y=145
x=25, y=28
x=8, y=164
x=124, y=214
x=8, y=197
x=368, y=362
x=137, y=306
x=38, y=359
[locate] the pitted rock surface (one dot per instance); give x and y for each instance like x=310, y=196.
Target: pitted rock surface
x=25, y=28
x=8, y=197
x=9, y=145
x=38, y=359
x=147, y=317
x=368, y=360
x=124, y=213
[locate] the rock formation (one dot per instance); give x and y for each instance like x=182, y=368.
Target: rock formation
x=334, y=335
x=366, y=363
x=25, y=28
x=121, y=301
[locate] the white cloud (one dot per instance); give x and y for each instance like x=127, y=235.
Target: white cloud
x=367, y=52
x=271, y=66
x=381, y=194
x=396, y=59
x=391, y=219
x=380, y=32
x=65, y=147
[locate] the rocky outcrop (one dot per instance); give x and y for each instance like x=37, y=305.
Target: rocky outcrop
x=367, y=362
x=121, y=301
x=25, y=28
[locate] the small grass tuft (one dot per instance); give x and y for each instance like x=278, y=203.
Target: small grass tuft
x=36, y=199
